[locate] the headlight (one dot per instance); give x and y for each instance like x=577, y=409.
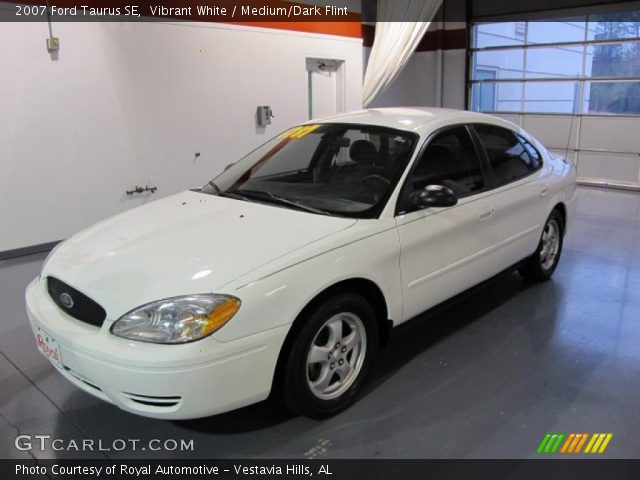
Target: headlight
x=177, y=320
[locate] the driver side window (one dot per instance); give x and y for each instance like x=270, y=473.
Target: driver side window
x=450, y=160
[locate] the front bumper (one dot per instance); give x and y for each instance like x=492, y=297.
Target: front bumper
x=193, y=380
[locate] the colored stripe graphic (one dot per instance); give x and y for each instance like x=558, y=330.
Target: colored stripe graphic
x=547, y=448
x=598, y=443
x=557, y=444
x=550, y=442
x=605, y=443
x=581, y=442
x=573, y=443
x=591, y=442
x=543, y=443
x=566, y=445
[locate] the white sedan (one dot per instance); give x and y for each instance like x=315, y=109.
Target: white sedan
x=286, y=272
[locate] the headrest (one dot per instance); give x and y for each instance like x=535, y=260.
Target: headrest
x=363, y=151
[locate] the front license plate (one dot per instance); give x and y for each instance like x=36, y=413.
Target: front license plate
x=48, y=346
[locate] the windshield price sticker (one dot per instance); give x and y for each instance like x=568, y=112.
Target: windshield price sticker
x=299, y=132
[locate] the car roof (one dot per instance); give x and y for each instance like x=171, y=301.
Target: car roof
x=422, y=120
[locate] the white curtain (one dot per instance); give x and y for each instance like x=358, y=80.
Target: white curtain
x=395, y=42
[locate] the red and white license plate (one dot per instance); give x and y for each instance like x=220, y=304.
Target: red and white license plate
x=48, y=346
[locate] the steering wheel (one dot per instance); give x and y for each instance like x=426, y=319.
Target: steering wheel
x=376, y=177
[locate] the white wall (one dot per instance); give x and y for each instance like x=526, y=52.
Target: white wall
x=423, y=84
x=430, y=79
x=416, y=85
x=130, y=103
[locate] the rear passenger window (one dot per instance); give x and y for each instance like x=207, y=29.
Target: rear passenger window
x=450, y=160
x=536, y=158
x=509, y=159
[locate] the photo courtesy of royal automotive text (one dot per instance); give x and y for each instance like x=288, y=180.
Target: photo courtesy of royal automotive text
x=340, y=239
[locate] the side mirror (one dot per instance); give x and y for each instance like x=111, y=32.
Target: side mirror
x=434, y=196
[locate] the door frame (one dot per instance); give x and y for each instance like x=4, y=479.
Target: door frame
x=337, y=65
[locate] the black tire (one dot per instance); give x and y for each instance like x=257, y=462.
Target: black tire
x=537, y=267
x=297, y=393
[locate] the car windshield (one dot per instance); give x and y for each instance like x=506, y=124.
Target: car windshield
x=335, y=169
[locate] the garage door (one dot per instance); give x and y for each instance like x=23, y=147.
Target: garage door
x=572, y=81
x=605, y=149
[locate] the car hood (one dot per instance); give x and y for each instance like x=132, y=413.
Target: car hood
x=184, y=244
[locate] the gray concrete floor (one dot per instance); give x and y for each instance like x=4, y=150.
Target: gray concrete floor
x=486, y=378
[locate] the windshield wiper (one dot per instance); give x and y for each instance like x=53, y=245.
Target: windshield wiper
x=220, y=193
x=233, y=194
x=266, y=195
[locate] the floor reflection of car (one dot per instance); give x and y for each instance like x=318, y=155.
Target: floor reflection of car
x=285, y=273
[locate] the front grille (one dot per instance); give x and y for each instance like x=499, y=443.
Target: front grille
x=74, y=303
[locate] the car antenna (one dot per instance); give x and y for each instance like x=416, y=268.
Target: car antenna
x=566, y=150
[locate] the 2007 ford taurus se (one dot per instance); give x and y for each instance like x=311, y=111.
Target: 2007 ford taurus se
x=285, y=273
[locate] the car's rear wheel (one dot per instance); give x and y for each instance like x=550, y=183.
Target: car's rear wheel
x=330, y=356
x=541, y=265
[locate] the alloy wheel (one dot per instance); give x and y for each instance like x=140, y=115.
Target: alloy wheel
x=550, y=244
x=336, y=355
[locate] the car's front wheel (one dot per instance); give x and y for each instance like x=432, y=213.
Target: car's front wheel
x=541, y=265
x=330, y=356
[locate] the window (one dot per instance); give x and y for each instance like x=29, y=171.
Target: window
x=505, y=63
x=587, y=65
x=341, y=169
x=484, y=100
x=612, y=26
x=509, y=158
x=554, y=62
x=612, y=97
x=559, y=31
x=620, y=60
x=536, y=158
x=450, y=160
x=496, y=34
x=545, y=97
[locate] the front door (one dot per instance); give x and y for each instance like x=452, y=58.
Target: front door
x=444, y=250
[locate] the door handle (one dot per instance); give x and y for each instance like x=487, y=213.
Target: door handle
x=544, y=189
x=485, y=214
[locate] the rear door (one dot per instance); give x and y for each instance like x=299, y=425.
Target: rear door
x=519, y=192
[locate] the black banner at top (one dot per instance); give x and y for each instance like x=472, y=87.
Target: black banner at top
x=300, y=11
x=230, y=11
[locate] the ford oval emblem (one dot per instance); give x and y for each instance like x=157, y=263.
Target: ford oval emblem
x=66, y=300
